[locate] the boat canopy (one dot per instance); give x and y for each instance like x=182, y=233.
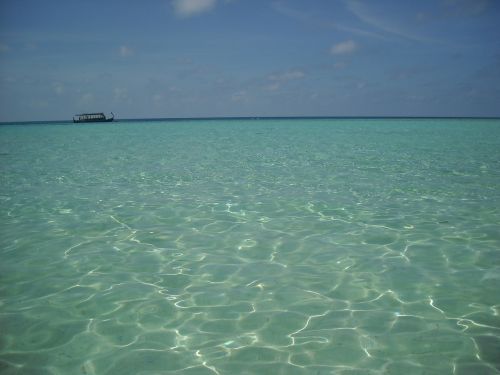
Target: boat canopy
x=93, y=117
x=90, y=116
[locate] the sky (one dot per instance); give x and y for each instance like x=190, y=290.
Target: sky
x=256, y=58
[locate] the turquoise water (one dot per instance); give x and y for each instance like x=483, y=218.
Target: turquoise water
x=251, y=247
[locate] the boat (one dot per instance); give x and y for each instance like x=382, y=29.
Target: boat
x=93, y=117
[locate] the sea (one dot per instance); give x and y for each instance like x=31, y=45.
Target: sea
x=345, y=246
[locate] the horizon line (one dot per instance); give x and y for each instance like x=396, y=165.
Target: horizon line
x=257, y=118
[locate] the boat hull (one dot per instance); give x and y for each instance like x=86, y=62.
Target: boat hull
x=93, y=120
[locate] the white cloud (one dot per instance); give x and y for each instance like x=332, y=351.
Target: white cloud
x=30, y=47
x=287, y=76
x=58, y=88
x=126, y=51
x=86, y=100
x=366, y=12
x=340, y=65
x=342, y=48
x=273, y=86
x=313, y=20
x=188, y=8
x=239, y=96
x=39, y=104
x=467, y=7
x=277, y=80
x=157, y=99
x=120, y=94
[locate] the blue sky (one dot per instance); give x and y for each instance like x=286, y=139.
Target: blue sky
x=204, y=58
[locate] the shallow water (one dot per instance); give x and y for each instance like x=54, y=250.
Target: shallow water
x=251, y=247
